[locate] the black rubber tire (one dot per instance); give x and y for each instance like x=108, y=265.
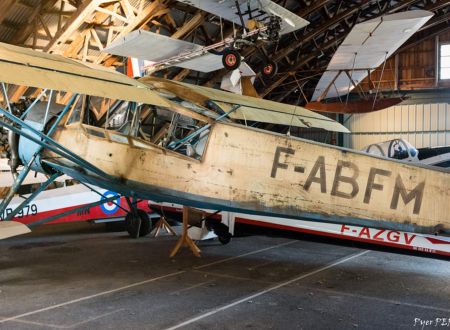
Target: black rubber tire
x=138, y=226
x=269, y=69
x=231, y=59
x=221, y=230
x=224, y=239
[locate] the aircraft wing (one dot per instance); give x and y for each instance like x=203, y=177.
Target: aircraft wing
x=21, y=66
x=365, y=48
x=158, y=48
x=25, y=67
x=255, y=109
x=260, y=9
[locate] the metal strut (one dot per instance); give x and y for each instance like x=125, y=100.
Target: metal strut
x=46, y=142
x=103, y=196
x=43, y=141
x=75, y=210
x=32, y=196
x=26, y=169
x=178, y=144
x=379, y=82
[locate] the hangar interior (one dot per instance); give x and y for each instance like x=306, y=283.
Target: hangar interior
x=375, y=251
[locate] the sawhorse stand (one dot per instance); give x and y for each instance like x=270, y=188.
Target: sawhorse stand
x=185, y=240
x=163, y=224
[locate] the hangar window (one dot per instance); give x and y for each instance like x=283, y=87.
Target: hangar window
x=444, y=62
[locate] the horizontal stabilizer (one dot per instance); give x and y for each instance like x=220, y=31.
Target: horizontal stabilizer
x=12, y=228
x=365, y=48
x=159, y=49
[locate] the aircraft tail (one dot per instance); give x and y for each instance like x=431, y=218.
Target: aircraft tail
x=133, y=68
x=12, y=228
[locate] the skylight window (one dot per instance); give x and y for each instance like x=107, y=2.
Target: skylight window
x=444, y=63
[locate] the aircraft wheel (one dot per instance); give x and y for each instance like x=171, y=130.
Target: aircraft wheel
x=224, y=239
x=269, y=69
x=139, y=226
x=231, y=59
x=221, y=230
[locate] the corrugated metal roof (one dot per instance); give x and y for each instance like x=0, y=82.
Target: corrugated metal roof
x=17, y=15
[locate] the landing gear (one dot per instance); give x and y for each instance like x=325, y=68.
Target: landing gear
x=138, y=223
x=269, y=69
x=220, y=229
x=231, y=59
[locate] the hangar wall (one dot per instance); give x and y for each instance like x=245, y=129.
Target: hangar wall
x=422, y=124
x=424, y=119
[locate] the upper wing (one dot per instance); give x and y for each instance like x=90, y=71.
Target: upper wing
x=161, y=49
x=250, y=108
x=259, y=9
x=21, y=66
x=365, y=48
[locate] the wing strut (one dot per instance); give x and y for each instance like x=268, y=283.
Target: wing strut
x=26, y=169
x=379, y=82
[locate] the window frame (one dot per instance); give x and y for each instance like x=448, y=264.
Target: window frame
x=447, y=78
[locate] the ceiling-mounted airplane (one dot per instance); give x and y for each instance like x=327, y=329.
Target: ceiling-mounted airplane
x=366, y=47
x=193, y=152
x=259, y=20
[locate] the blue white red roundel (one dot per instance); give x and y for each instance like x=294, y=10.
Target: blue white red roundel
x=110, y=207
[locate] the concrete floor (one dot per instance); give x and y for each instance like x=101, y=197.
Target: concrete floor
x=96, y=280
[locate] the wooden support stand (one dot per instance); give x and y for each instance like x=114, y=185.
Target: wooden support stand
x=185, y=240
x=163, y=224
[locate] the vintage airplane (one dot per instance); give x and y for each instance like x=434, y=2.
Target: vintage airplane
x=259, y=20
x=366, y=47
x=194, y=154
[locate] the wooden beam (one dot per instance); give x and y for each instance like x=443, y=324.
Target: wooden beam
x=21, y=36
x=313, y=6
x=5, y=7
x=190, y=25
x=82, y=13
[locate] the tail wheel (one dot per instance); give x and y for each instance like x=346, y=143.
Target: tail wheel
x=221, y=230
x=269, y=69
x=231, y=59
x=138, y=226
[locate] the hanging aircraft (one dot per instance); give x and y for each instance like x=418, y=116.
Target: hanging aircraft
x=184, y=144
x=366, y=47
x=258, y=20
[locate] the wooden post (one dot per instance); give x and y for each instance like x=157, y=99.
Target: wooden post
x=185, y=240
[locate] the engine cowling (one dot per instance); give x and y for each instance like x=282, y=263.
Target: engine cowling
x=26, y=148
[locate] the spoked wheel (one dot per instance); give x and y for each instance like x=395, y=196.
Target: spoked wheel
x=269, y=69
x=231, y=59
x=138, y=226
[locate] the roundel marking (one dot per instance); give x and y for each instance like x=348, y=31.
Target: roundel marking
x=110, y=207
